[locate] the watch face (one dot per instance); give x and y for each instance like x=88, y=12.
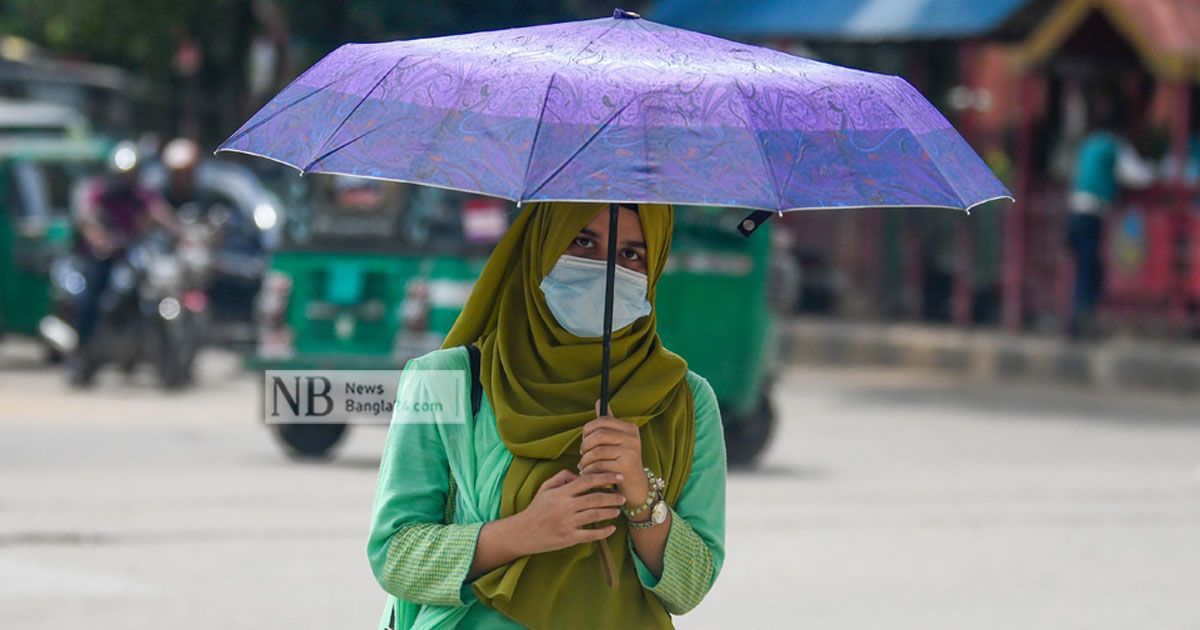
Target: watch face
x=659, y=515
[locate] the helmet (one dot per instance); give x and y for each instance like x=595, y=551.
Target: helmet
x=124, y=158
x=180, y=154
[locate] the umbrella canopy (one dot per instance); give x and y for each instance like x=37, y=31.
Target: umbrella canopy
x=619, y=110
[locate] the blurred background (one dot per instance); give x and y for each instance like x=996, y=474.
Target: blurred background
x=934, y=420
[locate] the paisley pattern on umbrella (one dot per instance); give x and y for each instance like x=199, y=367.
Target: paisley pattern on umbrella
x=619, y=110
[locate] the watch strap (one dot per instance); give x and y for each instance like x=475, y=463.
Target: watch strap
x=650, y=522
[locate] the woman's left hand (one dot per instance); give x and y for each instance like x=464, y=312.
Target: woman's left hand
x=614, y=445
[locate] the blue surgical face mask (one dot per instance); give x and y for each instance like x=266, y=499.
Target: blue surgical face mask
x=574, y=291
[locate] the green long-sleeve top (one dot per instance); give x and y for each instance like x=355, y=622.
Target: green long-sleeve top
x=439, y=481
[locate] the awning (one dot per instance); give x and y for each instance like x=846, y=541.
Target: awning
x=1165, y=33
x=840, y=20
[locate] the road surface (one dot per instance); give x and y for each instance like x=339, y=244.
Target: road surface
x=888, y=500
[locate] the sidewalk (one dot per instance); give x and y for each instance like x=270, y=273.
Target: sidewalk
x=1130, y=364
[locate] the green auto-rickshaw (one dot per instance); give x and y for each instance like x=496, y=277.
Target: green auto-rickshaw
x=38, y=179
x=371, y=273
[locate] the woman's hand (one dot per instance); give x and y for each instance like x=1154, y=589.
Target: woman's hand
x=554, y=519
x=611, y=445
x=563, y=506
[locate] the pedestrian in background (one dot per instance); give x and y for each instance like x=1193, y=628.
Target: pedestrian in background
x=1105, y=162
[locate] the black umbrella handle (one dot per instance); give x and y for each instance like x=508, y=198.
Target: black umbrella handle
x=607, y=564
x=610, y=278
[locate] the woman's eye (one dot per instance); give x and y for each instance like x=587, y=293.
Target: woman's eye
x=632, y=254
x=583, y=241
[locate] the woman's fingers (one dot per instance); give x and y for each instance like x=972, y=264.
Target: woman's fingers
x=607, y=422
x=605, y=466
x=603, y=437
x=587, y=483
x=600, y=467
x=602, y=454
x=595, y=515
x=560, y=478
x=594, y=500
x=585, y=535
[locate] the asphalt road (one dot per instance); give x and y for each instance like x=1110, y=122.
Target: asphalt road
x=888, y=500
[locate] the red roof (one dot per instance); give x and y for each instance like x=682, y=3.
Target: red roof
x=1165, y=33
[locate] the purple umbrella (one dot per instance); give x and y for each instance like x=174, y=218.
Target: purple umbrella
x=620, y=110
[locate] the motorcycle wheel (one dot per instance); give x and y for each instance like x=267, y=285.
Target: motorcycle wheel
x=173, y=366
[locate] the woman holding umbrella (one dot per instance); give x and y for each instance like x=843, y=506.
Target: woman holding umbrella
x=533, y=511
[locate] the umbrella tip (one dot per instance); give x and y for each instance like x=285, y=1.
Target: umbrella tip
x=622, y=14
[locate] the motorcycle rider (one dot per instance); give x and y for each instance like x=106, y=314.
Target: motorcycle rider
x=114, y=212
x=236, y=246
x=181, y=157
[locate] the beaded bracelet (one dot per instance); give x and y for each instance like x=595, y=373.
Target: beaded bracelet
x=657, y=485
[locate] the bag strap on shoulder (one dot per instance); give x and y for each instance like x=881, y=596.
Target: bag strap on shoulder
x=476, y=385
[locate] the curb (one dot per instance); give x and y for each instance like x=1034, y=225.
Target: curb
x=1130, y=364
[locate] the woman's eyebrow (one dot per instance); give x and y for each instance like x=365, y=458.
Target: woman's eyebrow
x=588, y=232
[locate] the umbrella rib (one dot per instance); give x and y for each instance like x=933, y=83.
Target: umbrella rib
x=797, y=155
x=762, y=152
x=542, y=113
x=352, y=141
x=583, y=146
x=239, y=135
x=312, y=162
x=372, y=130
x=537, y=131
x=917, y=138
x=942, y=174
x=653, y=34
x=590, y=42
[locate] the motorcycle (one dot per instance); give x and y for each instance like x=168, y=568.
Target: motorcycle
x=153, y=310
x=235, y=267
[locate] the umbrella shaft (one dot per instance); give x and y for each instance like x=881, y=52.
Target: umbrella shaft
x=609, y=281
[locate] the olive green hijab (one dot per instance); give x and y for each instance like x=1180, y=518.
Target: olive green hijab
x=542, y=383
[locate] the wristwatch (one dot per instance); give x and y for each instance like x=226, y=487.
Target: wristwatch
x=658, y=516
x=654, y=502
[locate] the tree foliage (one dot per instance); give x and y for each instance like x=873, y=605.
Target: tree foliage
x=143, y=34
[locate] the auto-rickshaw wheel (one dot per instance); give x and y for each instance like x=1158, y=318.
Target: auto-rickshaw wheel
x=747, y=435
x=309, y=441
